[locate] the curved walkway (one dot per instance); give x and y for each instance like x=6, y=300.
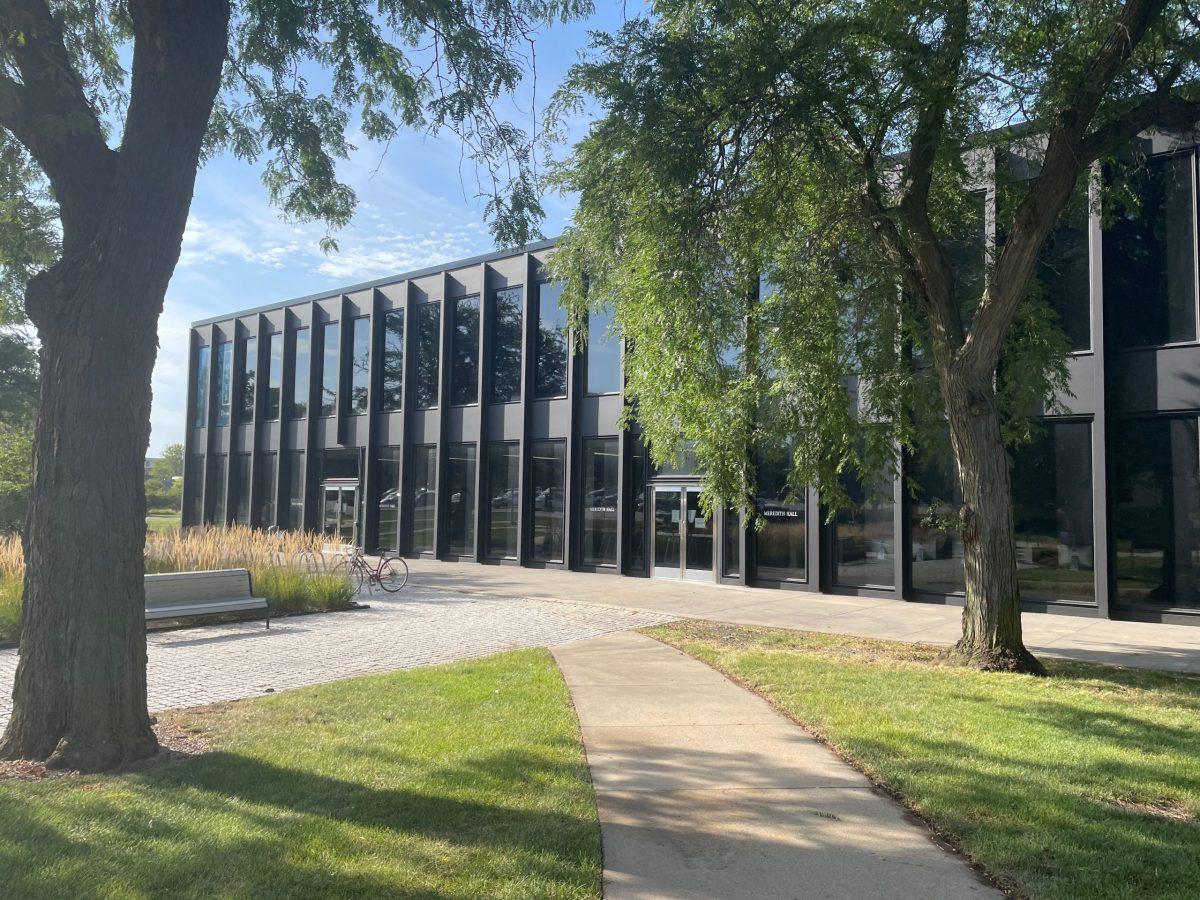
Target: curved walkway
x=705, y=792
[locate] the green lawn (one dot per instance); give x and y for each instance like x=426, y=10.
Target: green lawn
x=159, y=522
x=466, y=780
x=1085, y=784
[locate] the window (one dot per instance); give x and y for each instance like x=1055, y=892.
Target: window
x=1052, y=513
x=267, y=465
x=1063, y=275
x=937, y=553
x=1156, y=512
x=424, y=502
x=330, y=373
x=388, y=504
x=732, y=537
x=295, y=521
x=360, y=366
x=503, y=494
x=429, y=319
x=275, y=376
x=241, y=487
x=506, y=345
x=193, y=487
x=216, y=490
x=464, y=352
x=224, y=382
x=249, y=376
x=550, y=354
x=301, y=363
x=547, y=469
x=1149, y=258
x=865, y=534
x=460, y=500
x=780, y=540
x=603, y=355
x=200, y=399
x=392, y=397
x=637, y=512
x=966, y=251
x=601, y=462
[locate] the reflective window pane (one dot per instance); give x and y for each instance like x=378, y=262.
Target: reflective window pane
x=937, y=553
x=865, y=534
x=388, y=504
x=779, y=543
x=266, y=473
x=224, y=381
x=504, y=482
x=200, y=398
x=193, y=488
x=424, y=497
x=1156, y=513
x=295, y=519
x=1063, y=276
x=547, y=480
x=302, y=364
x=429, y=319
x=506, y=345
x=698, y=534
x=460, y=500
x=275, y=376
x=249, y=377
x=360, y=366
x=731, y=535
x=601, y=463
x=464, y=350
x=966, y=251
x=392, y=397
x=241, y=489
x=330, y=367
x=637, y=512
x=216, y=489
x=550, y=359
x=603, y=355
x=668, y=504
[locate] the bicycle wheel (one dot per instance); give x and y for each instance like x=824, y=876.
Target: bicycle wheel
x=393, y=574
x=351, y=571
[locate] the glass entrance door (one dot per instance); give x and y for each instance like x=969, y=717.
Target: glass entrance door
x=340, y=518
x=683, y=535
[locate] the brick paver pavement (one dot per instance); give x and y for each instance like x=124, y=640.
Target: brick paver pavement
x=416, y=627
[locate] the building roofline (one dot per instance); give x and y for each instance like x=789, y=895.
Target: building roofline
x=381, y=282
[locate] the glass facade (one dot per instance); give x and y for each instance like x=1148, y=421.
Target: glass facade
x=424, y=497
x=295, y=518
x=392, y=396
x=216, y=489
x=506, y=345
x=264, y=516
x=603, y=355
x=241, y=489
x=275, y=376
x=331, y=372
x=1156, y=512
x=548, y=484
x=249, y=377
x=302, y=364
x=429, y=320
x=460, y=500
x=503, y=499
x=464, y=352
x=360, y=366
x=387, y=506
x=780, y=541
x=601, y=463
x=224, y=382
x=1149, y=258
x=865, y=534
x=200, y=398
x=550, y=343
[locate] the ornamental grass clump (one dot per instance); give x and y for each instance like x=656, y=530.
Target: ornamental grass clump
x=12, y=576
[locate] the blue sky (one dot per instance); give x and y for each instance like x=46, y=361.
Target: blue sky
x=416, y=208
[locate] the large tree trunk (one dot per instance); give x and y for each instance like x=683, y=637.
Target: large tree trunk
x=991, y=636
x=80, y=691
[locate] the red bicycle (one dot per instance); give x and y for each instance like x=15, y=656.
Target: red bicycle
x=390, y=572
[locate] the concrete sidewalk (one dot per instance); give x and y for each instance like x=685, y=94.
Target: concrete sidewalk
x=1138, y=644
x=705, y=792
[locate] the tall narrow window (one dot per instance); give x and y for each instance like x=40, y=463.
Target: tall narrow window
x=550, y=359
x=224, y=382
x=1149, y=258
x=780, y=543
x=599, y=508
x=331, y=373
x=637, y=512
x=731, y=531
x=547, y=479
x=1063, y=275
x=937, y=553
x=460, y=500
x=424, y=499
x=392, y=396
x=193, y=489
x=275, y=376
x=503, y=499
x=296, y=490
x=865, y=534
x=249, y=377
x=241, y=486
x=265, y=516
x=216, y=489
x=200, y=398
x=429, y=320
x=388, y=504
x=603, y=355
x=464, y=349
x=301, y=363
x=360, y=366
x=506, y=345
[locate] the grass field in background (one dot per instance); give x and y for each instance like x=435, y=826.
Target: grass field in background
x=1085, y=784
x=464, y=780
x=160, y=522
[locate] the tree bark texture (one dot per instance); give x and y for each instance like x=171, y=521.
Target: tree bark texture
x=80, y=692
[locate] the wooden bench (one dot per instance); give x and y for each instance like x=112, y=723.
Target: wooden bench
x=186, y=595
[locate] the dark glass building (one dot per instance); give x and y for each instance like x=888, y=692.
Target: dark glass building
x=442, y=413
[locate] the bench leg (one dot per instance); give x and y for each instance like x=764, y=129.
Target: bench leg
x=268, y=618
